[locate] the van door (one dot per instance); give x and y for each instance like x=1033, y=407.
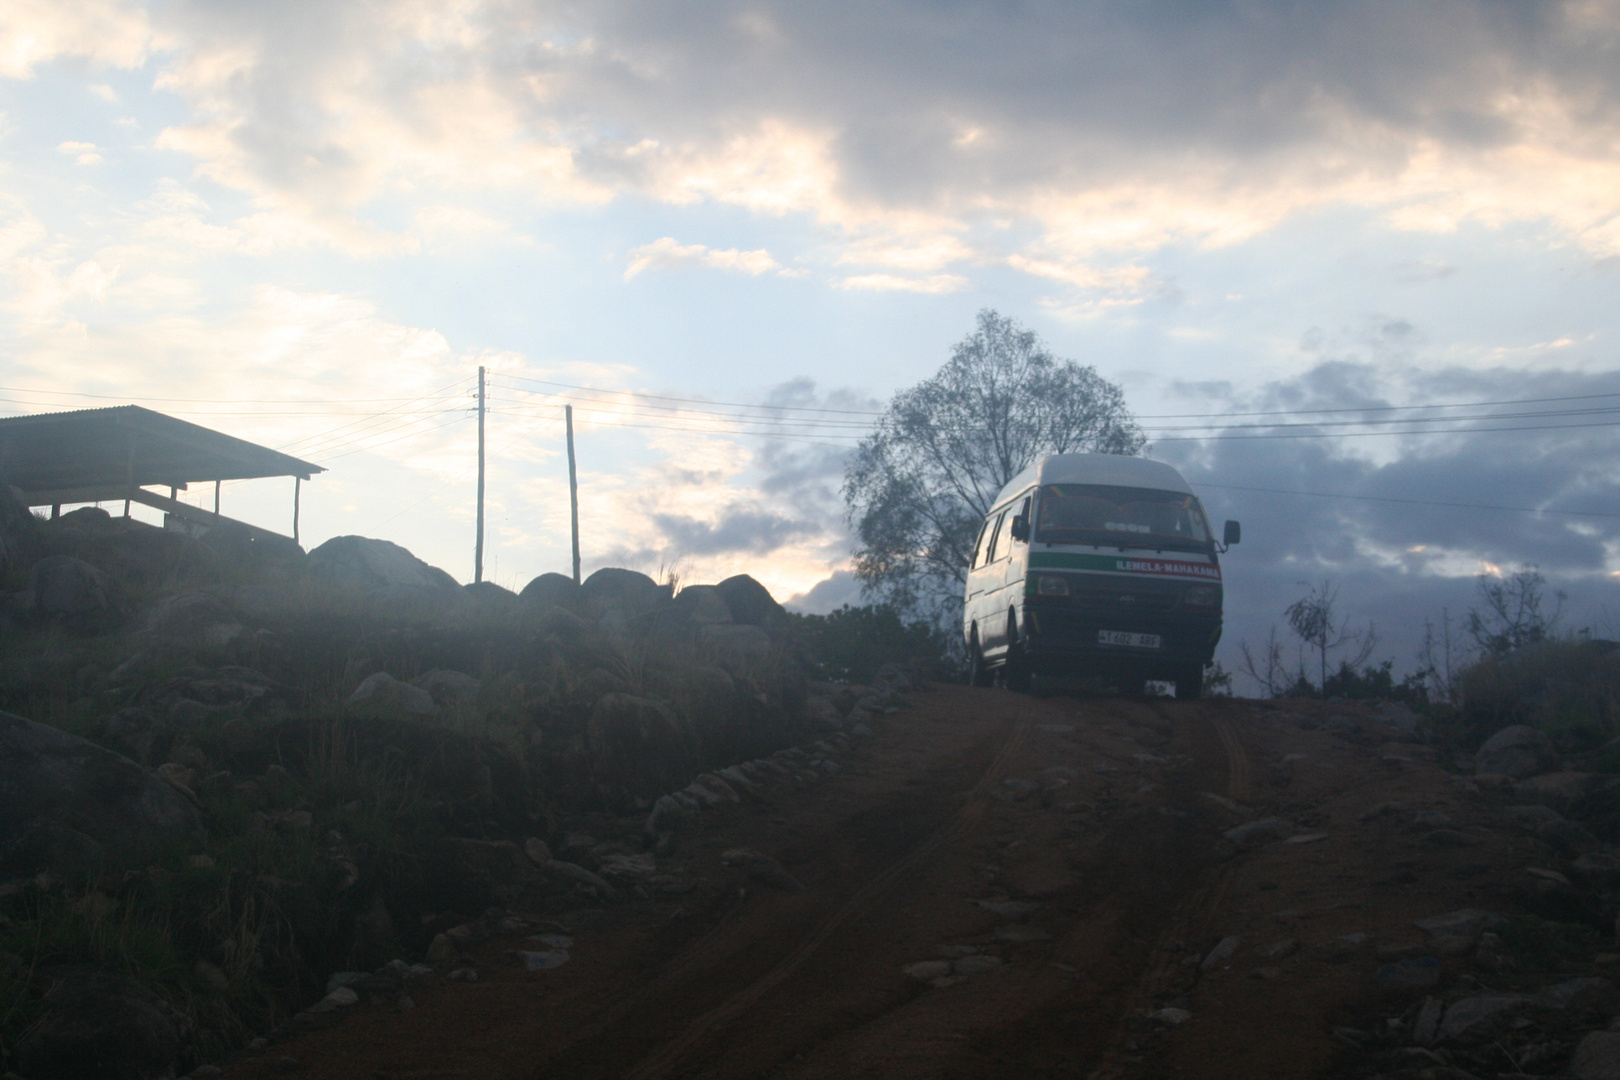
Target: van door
x=978, y=579
x=993, y=620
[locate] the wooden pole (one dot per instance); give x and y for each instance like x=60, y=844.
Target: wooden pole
x=478, y=547
x=298, y=482
x=216, y=496
x=573, y=487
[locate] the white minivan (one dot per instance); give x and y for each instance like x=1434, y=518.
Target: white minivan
x=1095, y=565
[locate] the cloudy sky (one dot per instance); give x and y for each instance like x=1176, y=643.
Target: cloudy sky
x=727, y=232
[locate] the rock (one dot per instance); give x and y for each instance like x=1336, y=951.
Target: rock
x=1567, y=838
x=1457, y=933
x=1170, y=1015
x=489, y=595
x=1576, y=993
x=702, y=604
x=1475, y=1019
x=178, y=775
x=1399, y=716
x=736, y=644
x=1426, y=1026
x=104, y=1026
x=19, y=530
x=893, y=678
x=1517, y=751
x=537, y=851
x=541, y=959
x=1600, y=868
x=381, y=692
x=448, y=687
x=441, y=952
x=977, y=964
x=137, y=733
x=1420, y=974
x=575, y=872
x=1534, y=816
x=63, y=797
x=1253, y=833
x=379, y=568
x=618, y=598
x=192, y=619
x=1597, y=1057
x=639, y=748
x=751, y=603
x=762, y=867
x=550, y=590
x=1016, y=934
x=928, y=970
x=1221, y=953
x=1008, y=909
x=1562, y=790
x=1279, y=950
x=61, y=586
x=342, y=997
x=637, y=867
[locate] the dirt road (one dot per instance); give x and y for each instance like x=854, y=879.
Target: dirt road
x=1060, y=865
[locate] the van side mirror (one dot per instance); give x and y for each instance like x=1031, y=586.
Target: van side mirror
x=1020, y=527
x=1234, y=533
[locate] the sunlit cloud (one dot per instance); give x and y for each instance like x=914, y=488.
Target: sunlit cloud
x=666, y=253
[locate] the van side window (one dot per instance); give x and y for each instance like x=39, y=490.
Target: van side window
x=993, y=534
x=981, y=547
x=1004, y=541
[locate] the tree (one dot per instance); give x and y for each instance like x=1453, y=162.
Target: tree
x=1513, y=617
x=1317, y=624
x=918, y=487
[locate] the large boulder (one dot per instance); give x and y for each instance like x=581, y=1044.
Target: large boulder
x=618, y=598
x=449, y=687
x=379, y=567
x=639, y=748
x=68, y=588
x=192, y=619
x=734, y=645
x=382, y=693
x=490, y=596
x=1518, y=751
x=550, y=589
x=109, y=1026
x=703, y=604
x=751, y=603
x=62, y=796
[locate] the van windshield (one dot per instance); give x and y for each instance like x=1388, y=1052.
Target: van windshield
x=1120, y=517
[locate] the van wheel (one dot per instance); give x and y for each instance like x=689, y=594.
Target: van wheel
x=1016, y=670
x=1190, y=683
x=978, y=673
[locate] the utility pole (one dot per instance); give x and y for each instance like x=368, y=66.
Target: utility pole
x=573, y=487
x=478, y=550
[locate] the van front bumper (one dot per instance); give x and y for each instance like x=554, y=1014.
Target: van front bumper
x=1064, y=640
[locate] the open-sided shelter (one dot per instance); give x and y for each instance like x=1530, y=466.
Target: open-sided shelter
x=103, y=455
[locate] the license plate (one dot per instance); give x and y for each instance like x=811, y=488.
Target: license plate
x=1125, y=637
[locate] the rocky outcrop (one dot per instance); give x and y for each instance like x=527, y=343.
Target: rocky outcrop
x=550, y=589
x=702, y=604
x=65, y=800
x=1518, y=751
x=382, y=693
x=63, y=587
x=103, y=1025
x=380, y=568
x=619, y=599
x=192, y=619
x=752, y=604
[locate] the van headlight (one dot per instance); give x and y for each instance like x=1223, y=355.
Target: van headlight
x=1053, y=586
x=1204, y=596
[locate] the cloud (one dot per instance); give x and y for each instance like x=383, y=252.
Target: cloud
x=84, y=153
x=934, y=283
x=666, y=254
x=1125, y=130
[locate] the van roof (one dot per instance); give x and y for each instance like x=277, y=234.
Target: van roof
x=1115, y=470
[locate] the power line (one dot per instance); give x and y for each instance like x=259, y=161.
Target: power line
x=691, y=401
x=1410, y=502
x=193, y=401
x=1379, y=408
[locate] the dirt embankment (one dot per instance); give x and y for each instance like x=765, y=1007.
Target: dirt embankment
x=1003, y=886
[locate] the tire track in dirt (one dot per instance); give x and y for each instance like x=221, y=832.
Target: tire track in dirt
x=667, y=1058
x=1201, y=904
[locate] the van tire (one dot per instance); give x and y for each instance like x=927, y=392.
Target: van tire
x=1190, y=683
x=978, y=673
x=1015, y=672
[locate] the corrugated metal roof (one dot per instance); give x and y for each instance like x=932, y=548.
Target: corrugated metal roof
x=128, y=444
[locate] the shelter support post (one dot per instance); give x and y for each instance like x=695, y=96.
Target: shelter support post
x=216, y=496
x=478, y=545
x=297, y=485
